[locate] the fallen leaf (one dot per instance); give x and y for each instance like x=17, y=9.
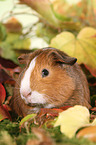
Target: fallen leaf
x=43, y=136
x=4, y=113
x=49, y=112
x=46, y=116
x=83, y=47
x=26, y=119
x=3, y=108
x=5, y=78
x=72, y=119
x=94, y=108
x=7, y=63
x=88, y=132
x=2, y=94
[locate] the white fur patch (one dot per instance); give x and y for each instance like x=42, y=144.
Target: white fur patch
x=36, y=97
x=26, y=93
x=49, y=106
x=25, y=82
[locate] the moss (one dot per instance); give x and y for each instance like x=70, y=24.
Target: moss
x=11, y=127
x=15, y=137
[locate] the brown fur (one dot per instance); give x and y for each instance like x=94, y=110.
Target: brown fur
x=66, y=84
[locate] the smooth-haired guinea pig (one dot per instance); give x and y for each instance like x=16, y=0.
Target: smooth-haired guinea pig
x=50, y=79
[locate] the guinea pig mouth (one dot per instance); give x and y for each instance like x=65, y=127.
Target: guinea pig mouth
x=36, y=105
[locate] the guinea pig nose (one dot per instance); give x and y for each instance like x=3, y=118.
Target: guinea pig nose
x=26, y=94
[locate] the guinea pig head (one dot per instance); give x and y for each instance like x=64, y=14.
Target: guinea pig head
x=45, y=81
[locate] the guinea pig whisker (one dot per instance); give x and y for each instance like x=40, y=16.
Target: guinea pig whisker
x=15, y=100
x=49, y=98
x=17, y=82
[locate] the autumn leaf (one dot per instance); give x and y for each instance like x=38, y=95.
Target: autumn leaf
x=2, y=94
x=88, y=132
x=5, y=77
x=3, y=109
x=79, y=116
x=49, y=112
x=13, y=25
x=82, y=47
x=4, y=113
x=7, y=63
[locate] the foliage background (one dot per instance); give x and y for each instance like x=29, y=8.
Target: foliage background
x=44, y=23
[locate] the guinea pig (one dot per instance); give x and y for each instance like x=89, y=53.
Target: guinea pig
x=50, y=79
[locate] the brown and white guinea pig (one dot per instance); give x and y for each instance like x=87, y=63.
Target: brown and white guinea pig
x=50, y=79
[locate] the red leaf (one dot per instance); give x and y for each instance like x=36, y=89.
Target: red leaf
x=90, y=77
x=2, y=94
x=65, y=107
x=52, y=112
x=7, y=63
x=4, y=113
x=49, y=112
x=92, y=71
x=7, y=69
x=93, y=109
x=4, y=77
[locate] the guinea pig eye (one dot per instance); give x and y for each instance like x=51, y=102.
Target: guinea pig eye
x=45, y=73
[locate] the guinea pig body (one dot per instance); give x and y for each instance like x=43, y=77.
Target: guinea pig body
x=50, y=79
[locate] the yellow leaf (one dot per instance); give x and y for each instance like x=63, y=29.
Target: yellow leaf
x=82, y=47
x=72, y=119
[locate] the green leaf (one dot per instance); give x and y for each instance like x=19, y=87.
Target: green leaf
x=26, y=118
x=45, y=32
x=22, y=43
x=7, y=51
x=13, y=41
x=3, y=33
x=82, y=47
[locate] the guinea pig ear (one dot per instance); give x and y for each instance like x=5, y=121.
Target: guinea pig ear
x=62, y=59
x=70, y=60
x=23, y=59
